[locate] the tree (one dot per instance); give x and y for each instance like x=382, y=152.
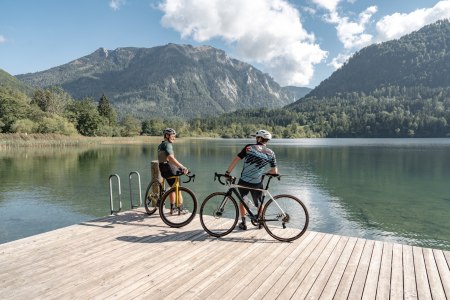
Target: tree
x=131, y=126
x=85, y=117
x=53, y=100
x=107, y=111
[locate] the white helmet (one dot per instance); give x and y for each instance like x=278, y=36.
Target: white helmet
x=169, y=131
x=264, y=134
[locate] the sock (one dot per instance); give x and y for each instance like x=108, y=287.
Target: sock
x=243, y=220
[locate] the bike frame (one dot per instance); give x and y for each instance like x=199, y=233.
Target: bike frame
x=234, y=190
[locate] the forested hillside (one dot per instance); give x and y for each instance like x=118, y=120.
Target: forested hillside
x=421, y=58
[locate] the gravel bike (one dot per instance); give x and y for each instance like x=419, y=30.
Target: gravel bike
x=284, y=217
x=177, y=214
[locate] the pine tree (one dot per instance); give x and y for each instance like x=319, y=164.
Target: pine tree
x=107, y=111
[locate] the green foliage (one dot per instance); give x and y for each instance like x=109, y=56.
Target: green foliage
x=53, y=100
x=86, y=118
x=105, y=110
x=23, y=126
x=130, y=126
x=56, y=124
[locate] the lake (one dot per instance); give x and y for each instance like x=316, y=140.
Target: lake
x=394, y=190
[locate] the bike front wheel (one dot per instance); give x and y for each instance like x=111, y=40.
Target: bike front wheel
x=178, y=215
x=219, y=214
x=285, y=218
x=152, y=196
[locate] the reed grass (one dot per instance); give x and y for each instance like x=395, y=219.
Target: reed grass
x=12, y=140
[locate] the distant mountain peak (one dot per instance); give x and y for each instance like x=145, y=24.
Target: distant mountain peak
x=170, y=80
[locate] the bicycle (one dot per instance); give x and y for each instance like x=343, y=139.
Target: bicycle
x=180, y=213
x=284, y=217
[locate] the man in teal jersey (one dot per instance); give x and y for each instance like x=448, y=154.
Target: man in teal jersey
x=169, y=166
x=256, y=158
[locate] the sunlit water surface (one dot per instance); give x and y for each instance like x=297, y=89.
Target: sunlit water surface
x=384, y=189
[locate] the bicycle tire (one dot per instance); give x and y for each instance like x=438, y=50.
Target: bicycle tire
x=153, y=193
x=218, y=224
x=178, y=218
x=290, y=227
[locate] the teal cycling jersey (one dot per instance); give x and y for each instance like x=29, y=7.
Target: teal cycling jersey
x=256, y=158
x=164, y=150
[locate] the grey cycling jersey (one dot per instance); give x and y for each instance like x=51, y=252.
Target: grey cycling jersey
x=256, y=158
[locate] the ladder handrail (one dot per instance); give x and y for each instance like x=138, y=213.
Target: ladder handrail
x=131, y=194
x=111, y=195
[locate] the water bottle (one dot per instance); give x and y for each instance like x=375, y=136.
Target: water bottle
x=250, y=204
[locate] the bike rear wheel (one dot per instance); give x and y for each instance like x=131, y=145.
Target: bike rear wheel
x=289, y=227
x=217, y=221
x=152, y=196
x=182, y=215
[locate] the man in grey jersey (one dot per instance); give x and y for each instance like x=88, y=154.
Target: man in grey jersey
x=256, y=158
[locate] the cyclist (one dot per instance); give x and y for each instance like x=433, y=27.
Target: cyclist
x=169, y=166
x=256, y=158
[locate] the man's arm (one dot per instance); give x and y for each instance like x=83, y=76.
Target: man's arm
x=171, y=158
x=233, y=164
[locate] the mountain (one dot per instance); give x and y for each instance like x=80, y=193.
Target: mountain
x=9, y=81
x=164, y=81
x=295, y=93
x=421, y=58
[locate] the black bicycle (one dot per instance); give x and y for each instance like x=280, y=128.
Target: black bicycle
x=182, y=211
x=284, y=217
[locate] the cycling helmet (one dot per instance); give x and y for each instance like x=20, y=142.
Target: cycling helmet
x=169, y=131
x=264, y=134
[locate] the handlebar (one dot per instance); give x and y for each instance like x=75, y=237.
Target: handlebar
x=228, y=178
x=190, y=175
x=231, y=179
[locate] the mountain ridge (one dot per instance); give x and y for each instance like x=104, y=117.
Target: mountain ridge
x=170, y=80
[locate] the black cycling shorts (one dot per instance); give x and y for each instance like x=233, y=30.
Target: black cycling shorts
x=167, y=170
x=256, y=195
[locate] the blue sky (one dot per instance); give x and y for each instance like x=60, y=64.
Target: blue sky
x=297, y=42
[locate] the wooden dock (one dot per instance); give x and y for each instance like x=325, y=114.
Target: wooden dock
x=133, y=255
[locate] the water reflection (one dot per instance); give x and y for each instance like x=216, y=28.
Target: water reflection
x=394, y=190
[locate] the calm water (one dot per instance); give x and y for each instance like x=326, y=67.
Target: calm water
x=384, y=189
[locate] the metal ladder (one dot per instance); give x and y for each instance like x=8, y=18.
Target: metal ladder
x=111, y=198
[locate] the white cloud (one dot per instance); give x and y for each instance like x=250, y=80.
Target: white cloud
x=2, y=39
x=116, y=4
x=398, y=24
x=339, y=60
x=330, y=5
x=263, y=31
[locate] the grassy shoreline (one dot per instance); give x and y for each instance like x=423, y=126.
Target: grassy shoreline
x=11, y=140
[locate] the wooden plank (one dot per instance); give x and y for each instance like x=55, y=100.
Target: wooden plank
x=447, y=257
x=410, y=286
x=75, y=270
x=350, y=271
x=357, y=289
x=322, y=279
x=268, y=278
x=444, y=271
x=423, y=287
x=434, y=280
x=337, y=273
x=370, y=286
x=282, y=275
x=218, y=288
x=396, y=289
x=384, y=280
x=136, y=256
x=310, y=269
x=253, y=278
